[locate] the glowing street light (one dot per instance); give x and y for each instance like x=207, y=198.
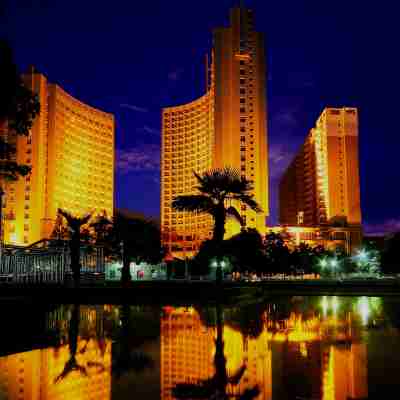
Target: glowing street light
x=323, y=263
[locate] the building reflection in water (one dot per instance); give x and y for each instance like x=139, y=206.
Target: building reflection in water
x=304, y=355
x=79, y=368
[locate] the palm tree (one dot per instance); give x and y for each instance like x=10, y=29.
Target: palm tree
x=73, y=337
x=101, y=226
x=72, y=364
x=220, y=386
x=218, y=188
x=75, y=224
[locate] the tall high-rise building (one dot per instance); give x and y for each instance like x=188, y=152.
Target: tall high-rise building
x=321, y=185
x=70, y=149
x=224, y=127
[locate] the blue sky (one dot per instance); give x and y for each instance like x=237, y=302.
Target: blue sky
x=133, y=58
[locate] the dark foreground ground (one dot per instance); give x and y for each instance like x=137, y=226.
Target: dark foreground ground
x=176, y=291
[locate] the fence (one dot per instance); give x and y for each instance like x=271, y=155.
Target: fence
x=50, y=265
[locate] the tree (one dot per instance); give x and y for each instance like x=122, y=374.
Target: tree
x=72, y=365
x=101, y=227
x=246, y=250
x=18, y=109
x=138, y=240
x=277, y=253
x=220, y=385
x=391, y=254
x=75, y=225
x=218, y=188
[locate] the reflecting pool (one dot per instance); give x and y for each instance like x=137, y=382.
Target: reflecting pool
x=275, y=348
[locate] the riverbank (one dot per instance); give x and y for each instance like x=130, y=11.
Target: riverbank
x=176, y=291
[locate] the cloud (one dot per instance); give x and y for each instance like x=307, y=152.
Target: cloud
x=285, y=119
x=143, y=158
x=149, y=130
x=175, y=75
x=134, y=108
x=388, y=226
x=280, y=159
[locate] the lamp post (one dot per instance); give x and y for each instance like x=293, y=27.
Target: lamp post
x=334, y=264
x=219, y=265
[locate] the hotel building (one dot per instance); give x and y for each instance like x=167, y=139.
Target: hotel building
x=224, y=127
x=70, y=149
x=320, y=191
x=36, y=374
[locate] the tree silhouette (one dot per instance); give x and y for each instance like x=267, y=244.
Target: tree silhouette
x=72, y=364
x=218, y=188
x=220, y=386
x=75, y=224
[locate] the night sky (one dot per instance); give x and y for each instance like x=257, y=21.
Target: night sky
x=131, y=58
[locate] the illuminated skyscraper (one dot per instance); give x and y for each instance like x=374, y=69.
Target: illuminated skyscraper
x=321, y=187
x=186, y=349
x=224, y=127
x=71, y=151
x=43, y=374
x=322, y=183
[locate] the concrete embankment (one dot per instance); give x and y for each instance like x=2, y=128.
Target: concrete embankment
x=179, y=290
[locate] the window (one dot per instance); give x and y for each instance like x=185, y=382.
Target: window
x=242, y=110
x=242, y=100
x=242, y=91
x=241, y=62
x=242, y=81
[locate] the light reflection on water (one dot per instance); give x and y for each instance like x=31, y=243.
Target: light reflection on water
x=285, y=348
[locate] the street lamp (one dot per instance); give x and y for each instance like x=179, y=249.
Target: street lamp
x=334, y=265
x=218, y=265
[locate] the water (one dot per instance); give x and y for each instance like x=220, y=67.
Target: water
x=276, y=348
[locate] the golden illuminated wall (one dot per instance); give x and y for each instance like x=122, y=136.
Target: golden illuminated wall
x=345, y=373
x=321, y=185
x=255, y=354
x=186, y=349
x=31, y=375
x=81, y=153
x=71, y=151
x=241, y=108
x=24, y=205
x=225, y=127
x=187, y=146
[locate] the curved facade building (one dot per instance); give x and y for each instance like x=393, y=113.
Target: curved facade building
x=70, y=149
x=187, y=146
x=225, y=127
x=81, y=139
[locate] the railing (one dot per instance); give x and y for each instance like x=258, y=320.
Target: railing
x=50, y=265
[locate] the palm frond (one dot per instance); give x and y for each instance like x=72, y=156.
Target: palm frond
x=248, y=199
x=233, y=213
x=74, y=221
x=237, y=376
x=199, y=203
x=250, y=394
x=202, y=390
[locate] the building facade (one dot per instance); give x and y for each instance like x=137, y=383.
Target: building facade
x=70, y=149
x=321, y=187
x=225, y=127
